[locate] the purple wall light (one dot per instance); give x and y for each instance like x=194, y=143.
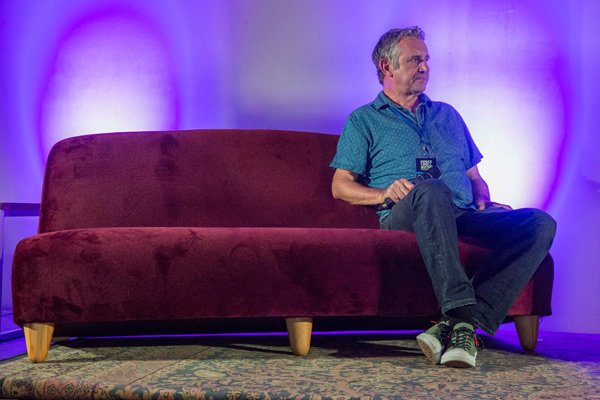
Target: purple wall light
x=111, y=71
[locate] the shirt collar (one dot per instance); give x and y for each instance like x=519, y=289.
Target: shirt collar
x=382, y=101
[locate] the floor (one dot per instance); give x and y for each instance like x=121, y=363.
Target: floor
x=558, y=345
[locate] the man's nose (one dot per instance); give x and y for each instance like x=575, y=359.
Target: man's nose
x=423, y=67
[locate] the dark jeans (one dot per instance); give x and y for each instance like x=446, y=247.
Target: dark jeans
x=520, y=240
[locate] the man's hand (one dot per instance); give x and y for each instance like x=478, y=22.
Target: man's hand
x=345, y=187
x=481, y=192
x=483, y=204
x=397, y=190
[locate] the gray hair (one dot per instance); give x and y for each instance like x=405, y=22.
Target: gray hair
x=386, y=46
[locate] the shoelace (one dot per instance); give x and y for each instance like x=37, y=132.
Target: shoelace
x=462, y=337
x=444, y=333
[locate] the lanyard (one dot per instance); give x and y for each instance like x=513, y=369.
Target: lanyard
x=421, y=131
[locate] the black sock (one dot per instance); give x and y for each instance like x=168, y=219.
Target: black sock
x=464, y=313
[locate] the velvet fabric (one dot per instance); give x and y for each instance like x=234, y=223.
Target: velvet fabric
x=212, y=178
x=168, y=226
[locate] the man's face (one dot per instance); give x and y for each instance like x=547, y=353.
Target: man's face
x=412, y=74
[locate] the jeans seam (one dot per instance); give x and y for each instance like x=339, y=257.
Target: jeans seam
x=458, y=303
x=483, y=326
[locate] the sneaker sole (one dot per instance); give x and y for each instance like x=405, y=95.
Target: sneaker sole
x=458, y=359
x=431, y=347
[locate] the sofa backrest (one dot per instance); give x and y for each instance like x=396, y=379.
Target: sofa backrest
x=210, y=178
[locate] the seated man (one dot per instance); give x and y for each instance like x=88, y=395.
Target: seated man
x=413, y=160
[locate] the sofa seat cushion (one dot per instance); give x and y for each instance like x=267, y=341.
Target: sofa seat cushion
x=128, y=274
x=120, y=274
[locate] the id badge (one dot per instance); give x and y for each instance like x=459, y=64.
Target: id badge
x=423, y=164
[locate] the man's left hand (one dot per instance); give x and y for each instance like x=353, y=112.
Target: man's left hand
x=484, y=204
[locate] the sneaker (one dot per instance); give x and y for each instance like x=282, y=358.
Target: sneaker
x=463, y=346
x=433, y=341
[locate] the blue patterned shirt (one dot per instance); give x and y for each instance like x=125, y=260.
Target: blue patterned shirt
x=381, y=142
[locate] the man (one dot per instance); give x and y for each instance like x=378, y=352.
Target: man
x=389, y=155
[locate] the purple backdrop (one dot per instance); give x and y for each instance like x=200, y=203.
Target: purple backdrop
x=522, y=74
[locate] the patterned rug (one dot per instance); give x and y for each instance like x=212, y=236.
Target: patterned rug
x=261, y=367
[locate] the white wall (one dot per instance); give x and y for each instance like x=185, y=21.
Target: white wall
x=523, y=75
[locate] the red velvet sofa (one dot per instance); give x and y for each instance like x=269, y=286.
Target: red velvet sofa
x=183, y=226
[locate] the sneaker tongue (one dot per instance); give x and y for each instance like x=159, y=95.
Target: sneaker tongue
x=464, y=325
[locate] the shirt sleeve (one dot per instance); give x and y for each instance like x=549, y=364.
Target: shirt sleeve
x=472, y=154
x=352, y=148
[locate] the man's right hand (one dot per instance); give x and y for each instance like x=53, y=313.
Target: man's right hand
x=397, y=190
x=345, y=187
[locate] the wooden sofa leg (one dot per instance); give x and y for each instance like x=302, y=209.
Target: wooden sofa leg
x=299, y=332
x=37, y=340
x=527, y=329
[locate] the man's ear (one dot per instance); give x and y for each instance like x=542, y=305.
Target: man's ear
x=385, y=67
